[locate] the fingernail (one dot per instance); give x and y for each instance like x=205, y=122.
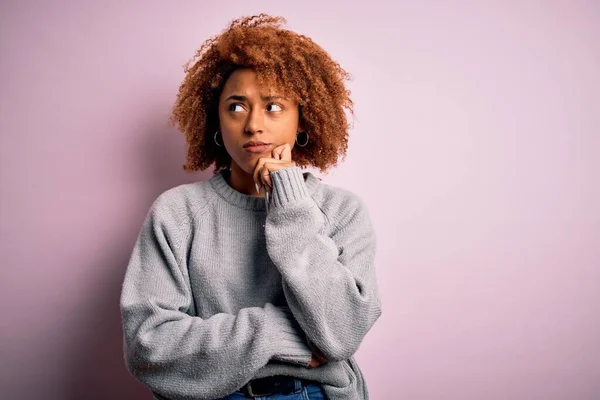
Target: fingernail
x=256, y=186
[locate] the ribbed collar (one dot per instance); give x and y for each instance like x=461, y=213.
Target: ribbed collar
x=241, y=200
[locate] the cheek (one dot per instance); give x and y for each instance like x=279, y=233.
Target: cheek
x=287, y=124
x=230, y=126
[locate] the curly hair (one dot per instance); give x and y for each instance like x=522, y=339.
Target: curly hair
x=282, y=59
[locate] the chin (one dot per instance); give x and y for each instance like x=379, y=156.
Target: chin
x=247, y=167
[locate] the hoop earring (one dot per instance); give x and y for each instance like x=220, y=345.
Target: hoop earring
x=306, y=142
x=215, y=139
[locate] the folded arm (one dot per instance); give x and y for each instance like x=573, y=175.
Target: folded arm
x=176, y=354
x=329, y=282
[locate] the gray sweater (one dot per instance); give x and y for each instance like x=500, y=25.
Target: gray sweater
x=218, y=291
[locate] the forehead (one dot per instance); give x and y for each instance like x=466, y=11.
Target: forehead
x=245, y=82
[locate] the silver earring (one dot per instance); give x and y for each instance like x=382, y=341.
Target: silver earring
x=306, y=142
x=215, y=139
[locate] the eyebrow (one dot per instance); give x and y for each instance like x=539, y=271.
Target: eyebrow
x=244, y=98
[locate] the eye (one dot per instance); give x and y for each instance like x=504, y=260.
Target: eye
x=277, y=107
x=232, y=107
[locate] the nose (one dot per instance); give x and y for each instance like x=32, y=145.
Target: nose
x=255, y=121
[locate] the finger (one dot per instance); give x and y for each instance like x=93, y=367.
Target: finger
x=318, y=354
x=286, y=154
x=259, y=165
x=322, y=359
x=265, y=179
x=265, y=166
x=257, y=170
x=277, y=151
x=283, y=152
x=266, y=173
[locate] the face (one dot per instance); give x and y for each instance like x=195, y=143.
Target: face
x=248, y=113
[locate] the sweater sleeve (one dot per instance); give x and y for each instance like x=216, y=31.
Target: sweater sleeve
x=329, y=282
x=179, y=355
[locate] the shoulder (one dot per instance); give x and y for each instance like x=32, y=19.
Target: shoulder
x=340, y=205
x=182, y=204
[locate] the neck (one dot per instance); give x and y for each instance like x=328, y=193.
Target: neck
x=242, y=181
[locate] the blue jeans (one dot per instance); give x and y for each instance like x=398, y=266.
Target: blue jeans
x=310, y=392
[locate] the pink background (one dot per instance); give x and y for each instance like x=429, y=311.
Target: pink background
x=476, y=149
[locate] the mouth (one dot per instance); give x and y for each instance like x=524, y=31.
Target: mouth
x=256, y=147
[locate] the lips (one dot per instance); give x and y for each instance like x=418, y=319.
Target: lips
x=256, y=147
x=261, y=148
x=254, y=143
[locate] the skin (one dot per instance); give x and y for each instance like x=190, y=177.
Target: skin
x=249, y=112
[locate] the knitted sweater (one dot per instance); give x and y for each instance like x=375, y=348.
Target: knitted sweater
x=218, y=291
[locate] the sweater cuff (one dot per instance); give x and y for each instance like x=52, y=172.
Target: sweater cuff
x=292, y=345
x=288, y=186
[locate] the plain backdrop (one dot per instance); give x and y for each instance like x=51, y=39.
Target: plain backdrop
x=475, y=147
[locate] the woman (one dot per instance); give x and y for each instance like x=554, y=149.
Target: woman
x=258, y=282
